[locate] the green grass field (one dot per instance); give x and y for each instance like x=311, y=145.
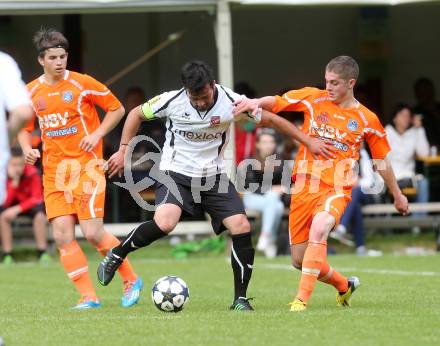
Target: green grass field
x=398, y=303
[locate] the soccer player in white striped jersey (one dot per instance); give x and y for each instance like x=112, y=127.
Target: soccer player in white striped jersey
x=198, y=119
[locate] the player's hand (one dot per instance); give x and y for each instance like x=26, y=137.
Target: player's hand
x=115, y=164
x=401, y=203
x=88, y=143
x=319, y=147
x=245, y=105
x=31, y=156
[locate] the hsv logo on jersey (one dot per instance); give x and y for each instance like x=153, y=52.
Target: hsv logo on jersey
x=67, y=96
x=352, y=125
x=215, y=121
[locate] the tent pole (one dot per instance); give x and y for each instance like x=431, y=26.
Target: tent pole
x=226, y=71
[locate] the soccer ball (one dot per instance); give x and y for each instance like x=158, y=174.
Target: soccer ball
x=170, y=294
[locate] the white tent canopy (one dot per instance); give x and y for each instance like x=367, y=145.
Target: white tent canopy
x=101, y=6
x=104, y=6
x=329, y=2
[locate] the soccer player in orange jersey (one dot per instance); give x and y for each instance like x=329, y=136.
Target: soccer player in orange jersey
x=74, y=182
x=323, y=187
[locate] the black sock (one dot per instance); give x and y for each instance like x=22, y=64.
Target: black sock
x=141, y=236
x=242, y=261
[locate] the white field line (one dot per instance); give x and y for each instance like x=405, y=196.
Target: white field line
x=360, y=270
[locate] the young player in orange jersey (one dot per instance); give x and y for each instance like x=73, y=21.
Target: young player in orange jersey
x=74, y=181
x=323, y=187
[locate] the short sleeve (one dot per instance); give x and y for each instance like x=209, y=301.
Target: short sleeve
x=295, y=100
x=376, y=138
x=158, y=106
x=100, y=95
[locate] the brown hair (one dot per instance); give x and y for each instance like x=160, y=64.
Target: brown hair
x=345, y=66
x=49, y=38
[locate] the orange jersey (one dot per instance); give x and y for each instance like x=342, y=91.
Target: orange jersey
x=66, y=113
x=346, y=128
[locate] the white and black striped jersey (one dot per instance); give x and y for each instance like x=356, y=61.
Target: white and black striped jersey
x=195, y=141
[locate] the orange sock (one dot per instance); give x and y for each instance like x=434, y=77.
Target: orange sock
x=75, y=264
x=108, y=242
x=314, y=257
x=330, y=276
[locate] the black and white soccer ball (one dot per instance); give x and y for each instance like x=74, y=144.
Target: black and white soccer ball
x=170, y=294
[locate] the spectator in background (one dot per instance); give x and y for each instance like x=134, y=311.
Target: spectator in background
x=352, y=218
x=24, y=197
x=245, y=130
x=266, y=199
x=407, y=138
x=14, y=99
x=429, y=108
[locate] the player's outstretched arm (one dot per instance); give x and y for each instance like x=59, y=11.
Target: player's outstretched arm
x=400, y=201
x=115, y=164
x=315, y=145
x=25, y=140
x=111, y=119
x=251, y=105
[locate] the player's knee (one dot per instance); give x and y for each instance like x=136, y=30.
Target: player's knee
x=93, y=236
x=242, y=225
x=60, y=237
x=166, y=225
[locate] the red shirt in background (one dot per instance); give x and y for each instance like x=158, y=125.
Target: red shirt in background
x=29, y=192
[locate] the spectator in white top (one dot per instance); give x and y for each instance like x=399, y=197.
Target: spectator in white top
x=15, y=100
x=407, y=138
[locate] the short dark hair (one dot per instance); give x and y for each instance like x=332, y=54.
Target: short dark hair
x=195, y=75
x=345, y=66
x=423, y=82
x=49, y=38
x=16, y=152
x=400, y=107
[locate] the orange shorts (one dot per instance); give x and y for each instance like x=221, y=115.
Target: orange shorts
x=75, y=193
x=306, y=203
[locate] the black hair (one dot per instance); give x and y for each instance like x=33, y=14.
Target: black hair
x=195, y=75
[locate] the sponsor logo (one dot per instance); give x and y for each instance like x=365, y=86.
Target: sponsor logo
x=339, y=145
x=352, y=125
x=323, y=117
x=53, y=120
x=62, y=132
x=67, y=96
x=327, y=131
x=194, y=136
x=215, y=121
x=54, y=94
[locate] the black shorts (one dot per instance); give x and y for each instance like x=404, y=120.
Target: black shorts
x=31, y=212
x=215, y=195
